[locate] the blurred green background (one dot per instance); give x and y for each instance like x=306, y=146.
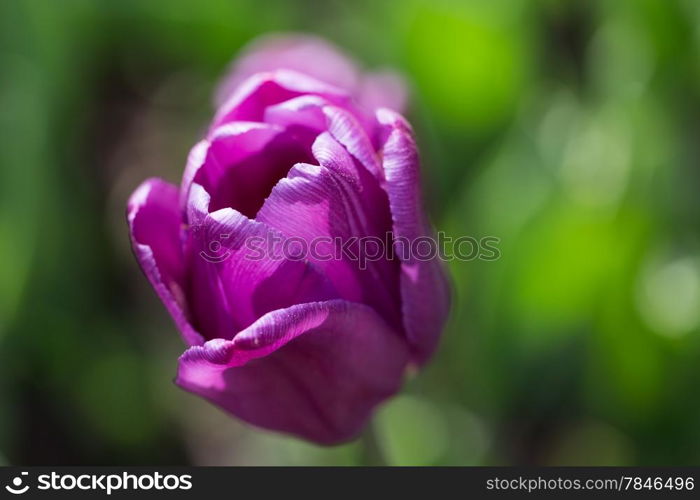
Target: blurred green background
x=568, y=129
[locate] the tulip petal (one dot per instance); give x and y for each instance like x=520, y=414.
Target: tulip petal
x=383, y=89
x=154, y=223
x=304, y=111
x=319, y=59
x=254, y=95
x=226, y=146
x=315, y=370
x=240, y=162
x=314, y=114
x=239, y=272
x=425, y=290
x=346, y=125
x=301, y=53
x=340, y=206
x=348, y=131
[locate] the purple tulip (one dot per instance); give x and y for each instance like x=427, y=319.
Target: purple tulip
x=302, y=147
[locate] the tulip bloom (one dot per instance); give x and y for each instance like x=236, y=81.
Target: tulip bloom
x=302, y=146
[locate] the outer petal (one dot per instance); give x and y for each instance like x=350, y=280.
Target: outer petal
x=315, y=370
x=154, y=222
x=425, y=291
x=239, y=272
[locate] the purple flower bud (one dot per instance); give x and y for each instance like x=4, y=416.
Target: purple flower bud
x=262, y=254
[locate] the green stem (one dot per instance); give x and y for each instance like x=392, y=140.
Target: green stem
x=371, y=450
